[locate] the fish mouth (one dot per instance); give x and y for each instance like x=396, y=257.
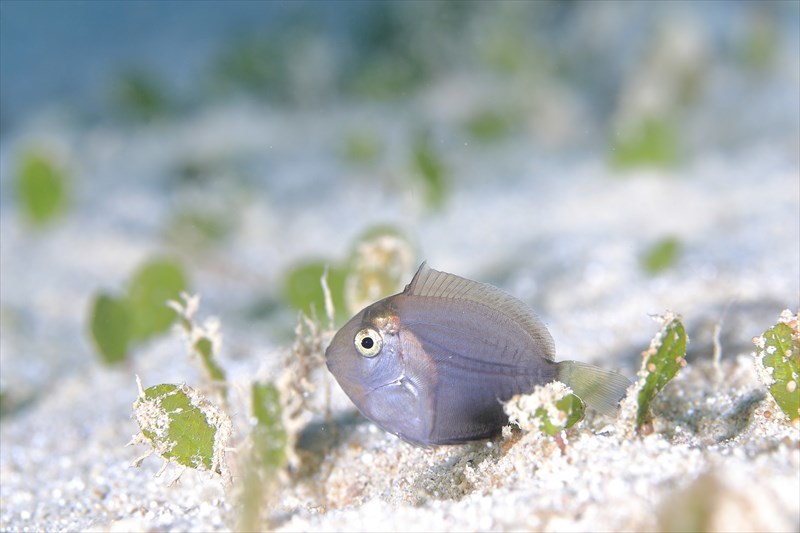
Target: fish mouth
x=331, y=362
x=402, y=382
x=379, y=387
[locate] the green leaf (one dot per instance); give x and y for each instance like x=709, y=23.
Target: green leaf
x=661, y=256
x=778, y=362
x=253, y=65
x=361, y=148
x=199, y=228
x=205, y=348
x=549, y=408
x=41, y=187
x=388, y=77
x=429, y=168
x=140, y=95
x=489, y=125
x=760, y=44
x=261, y=468
x=175, y=421
x=303, y=290
x=153, y=284
x=651, y=143
x=662, y=361
x=571, y=408
x=269, y=435
x=110, y=327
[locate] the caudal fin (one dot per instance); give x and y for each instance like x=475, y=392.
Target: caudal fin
x=601, y=389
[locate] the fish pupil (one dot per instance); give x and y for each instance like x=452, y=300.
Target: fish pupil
x=367, y=343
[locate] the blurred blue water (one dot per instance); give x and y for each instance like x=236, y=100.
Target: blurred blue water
x=68, y=53
x=65, y=52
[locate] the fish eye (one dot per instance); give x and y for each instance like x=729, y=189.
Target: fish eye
x=368, y=342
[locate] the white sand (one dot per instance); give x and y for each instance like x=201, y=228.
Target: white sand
x=571, y=246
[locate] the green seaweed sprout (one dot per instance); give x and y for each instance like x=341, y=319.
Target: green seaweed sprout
x=302, y=290
x=571, y=410
x=661, y=256
x=196, y=229
x=379, y=264
x=111, y=327
x=4, y=401
x=760, y=43
x=514, y=44
x=388, y=62
x=41, y=186
x=269, y=435
x=186, y=429
x=551, y=409
x=204, y=347
x=429, y=169
x=140, y=94
x=182, y=427
x=361, y=148
x=117, y=323
x=257, y=66
x=203, y=341
x=660, y=364
x=778, y=363
x=653, y=142
x=490, y=125
x=152, y=285
x=268, y=457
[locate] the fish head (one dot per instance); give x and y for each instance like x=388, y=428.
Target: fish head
x=365, y=354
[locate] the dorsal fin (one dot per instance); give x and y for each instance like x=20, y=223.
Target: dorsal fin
x=431, y=283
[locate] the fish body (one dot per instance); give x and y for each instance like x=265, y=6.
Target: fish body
x=434, y=363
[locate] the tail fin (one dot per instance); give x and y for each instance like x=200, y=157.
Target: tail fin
x=601, y=389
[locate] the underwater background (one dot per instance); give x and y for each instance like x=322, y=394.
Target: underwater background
x=601, y=161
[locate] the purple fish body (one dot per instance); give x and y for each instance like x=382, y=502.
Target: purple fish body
x=434, y=363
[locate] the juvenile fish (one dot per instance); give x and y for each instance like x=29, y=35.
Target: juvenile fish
x=433, y=363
